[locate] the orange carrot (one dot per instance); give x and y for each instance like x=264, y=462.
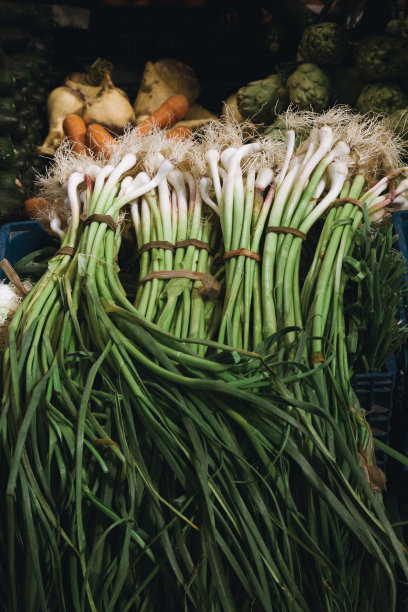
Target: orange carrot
x=33, y=205
x=75, y=128
x=100, y=140
x=172, y=110
x=180, y=132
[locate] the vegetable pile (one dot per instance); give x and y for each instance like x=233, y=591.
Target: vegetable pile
x=92, y=97
x=331, y=67
x=183, y=432
x=25, y=76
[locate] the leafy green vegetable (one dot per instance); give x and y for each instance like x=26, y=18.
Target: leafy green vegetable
x=372, y=304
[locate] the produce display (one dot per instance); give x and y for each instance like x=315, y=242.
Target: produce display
x=178, y=424
x=93, y=97
x=330, y=67
x=180, y=427
x=25, y=75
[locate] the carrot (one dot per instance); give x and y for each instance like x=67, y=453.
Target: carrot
x=75, y=128
x=172, y=110
x=100, y=140
x=180, y=132
x=33, y=205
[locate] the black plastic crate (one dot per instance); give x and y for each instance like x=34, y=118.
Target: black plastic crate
x=375, y=393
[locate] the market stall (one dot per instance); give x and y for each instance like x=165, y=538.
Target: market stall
x=203, y=340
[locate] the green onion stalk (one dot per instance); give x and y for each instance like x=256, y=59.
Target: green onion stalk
x=321, y=168
x=175, y=214
x=243, y=196
x=325, y=310
x=140, y=475
x=248, y=215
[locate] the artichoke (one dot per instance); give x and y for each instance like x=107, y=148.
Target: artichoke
x=263, y=100
x=309, y=87
x=399, y=26
x=324, y=43
x=381, y=98
x=277, y=131
x=347, y=85
x=381, y=57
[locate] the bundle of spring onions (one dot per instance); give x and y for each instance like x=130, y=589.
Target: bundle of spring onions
x=194, y=442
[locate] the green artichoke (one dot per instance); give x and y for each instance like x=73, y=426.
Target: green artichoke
x=263, y=100
x=381, y=57
x=309, y=87
x=381, y=98
x=277, y=131
x=324, y=43
x=347, y=85
x=399, y=26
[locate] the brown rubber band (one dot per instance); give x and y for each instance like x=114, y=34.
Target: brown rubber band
x=105, y=442
x=13, y=277
x=193, y=242
x=393, y=190
x=111, y=223
x=285, y=230
x=210, y=288
x=67, y=250
x=390, y=198
x=341, y=201
x=156, y=244
x=243, y=252
x=317, y=358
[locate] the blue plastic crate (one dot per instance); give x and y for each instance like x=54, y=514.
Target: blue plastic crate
x=21, y=238
x=400, y=222
x=375, y=393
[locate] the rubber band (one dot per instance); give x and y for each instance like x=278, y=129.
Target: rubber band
x=244, y=252
x=13, y=277
x=110, y=222
x=317, y=358
x=211, y=287
x=393, y=189
x=163, y=244
x=67, y=250
x=341, y=201
x=285, y=230
x=194, y=242
x=156, y=244
x=391, y=196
